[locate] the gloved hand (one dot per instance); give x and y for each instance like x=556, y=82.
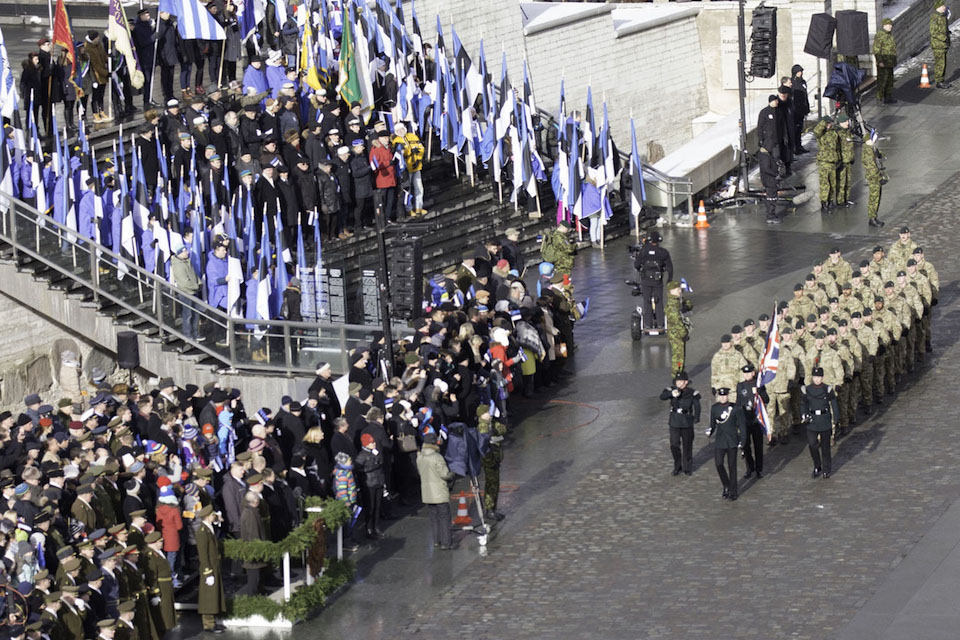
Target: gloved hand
x=709, y=432
x=155, y=600
x=675, y=393
x=210, y=581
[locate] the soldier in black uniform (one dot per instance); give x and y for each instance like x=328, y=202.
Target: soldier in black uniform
x=726, y=421
x=819, y=409
x=769, y=138
x=747, y=391
x=684, y=413
x=654, y=267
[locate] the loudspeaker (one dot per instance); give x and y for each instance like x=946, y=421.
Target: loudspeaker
x=406, y=277
x=853, y=37
x=820, y=35
x=128, y=350
x=763, y=42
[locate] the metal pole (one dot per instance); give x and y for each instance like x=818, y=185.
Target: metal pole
x=742, y=94
x=286, y=576
x=384, y=287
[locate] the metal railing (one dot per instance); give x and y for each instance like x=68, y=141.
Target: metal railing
x=238, y=343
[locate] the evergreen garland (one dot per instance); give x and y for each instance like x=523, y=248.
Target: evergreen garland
x=335, y=514
x=304, y=601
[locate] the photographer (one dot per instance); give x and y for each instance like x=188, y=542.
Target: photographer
x=652, y=262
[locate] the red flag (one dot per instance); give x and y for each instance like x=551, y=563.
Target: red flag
x=63, y=36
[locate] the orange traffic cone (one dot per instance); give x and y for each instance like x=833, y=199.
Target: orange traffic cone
x=924, y=79
x=701, y=218
x=463, y=516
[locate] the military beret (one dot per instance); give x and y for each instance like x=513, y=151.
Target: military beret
x=834, y=250
x=682, y=375
x=762, y=318
x=810, y=277
x=843, y=118
x=827, y=119
x=845, y=286
x=918, y=250
x=831, y=331
x=798, y=287
x=817, y=371
x=747, y=368
x=723, y=391
x=811, y=318
x=725, y=338
x=888, y=284
x=823, y=310
x=749, y=323
x=867, y=311
x=856, y=314
x=799, y=326
x=483, y=410
x=820, y=335
x=736, y=329
x=901, y=273
x=842, y=322
x=787, y=329
x=856, y=274
x=876, y=249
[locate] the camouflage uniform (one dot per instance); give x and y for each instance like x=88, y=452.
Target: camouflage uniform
x=922, y=284
x=845, y=392
x=801, y=306
x=826, y=280
x=491, y=461
x=745, y=348
x=779, y=388
x=556, y=248
x=866, y=337
x=725, y=367
x=892, y=330
x=840, y=270
x=914, y=310
x=900, y=252
x=939, y=42
x=678, y=330
x=885, y=53
x=845, y=168
x=828, y=155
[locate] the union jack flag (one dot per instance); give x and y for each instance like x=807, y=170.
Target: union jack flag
x=768, y=371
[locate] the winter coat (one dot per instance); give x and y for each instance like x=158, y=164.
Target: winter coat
x=344, y=484
x=386, y=173
x=167, y=43
x=251, y=528
x=183, y=275
x=370, y=466
x=97, y=56
x=342, y=170
x=211, y=599
x=434, y=474
x=362, y=183
x=231, y=51
x=143, y=39
x=169, y=523
x=329, y=193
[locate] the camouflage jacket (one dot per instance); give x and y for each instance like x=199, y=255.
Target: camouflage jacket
x=828, y=143
x=676, y=326
x=871, y=165
x=556, y=248
x=939, y=33
x=725, y=368
x=899, y=253
x=885, y=49
x=847, y=155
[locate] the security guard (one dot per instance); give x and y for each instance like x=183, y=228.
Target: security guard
x=726, y=421
x=684, y=413
x=654, y=267
x=820, y=413
x=747, y=392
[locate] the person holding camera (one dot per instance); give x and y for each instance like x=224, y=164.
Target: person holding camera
x=652, y=263
x=684, y=413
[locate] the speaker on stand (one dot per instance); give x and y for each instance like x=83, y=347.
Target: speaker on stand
x=128, y=351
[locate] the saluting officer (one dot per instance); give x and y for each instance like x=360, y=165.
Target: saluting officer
x=819, y=407
x=684, y=413
x=747, y=391
x=726, y=421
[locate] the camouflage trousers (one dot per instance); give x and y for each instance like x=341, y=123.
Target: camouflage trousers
x=939, y=64
x=678, y=352
x=491, y=477
x=779, y=408
x=890, y=370
x=866, y=381
x=844, y=174
x=909, y=340
x=926, y=331
x=828, y=180
x=873, y=197
x=884, y=82
x=879, y=375
x=845, y=403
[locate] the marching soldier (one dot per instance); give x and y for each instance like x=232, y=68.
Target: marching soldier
x=837, y=267
x=211, y=601
x=820, y=410
x=747, y=351
x=726, y=421
x=159, y=580
x=757, y=342
x=846, y=403
x=779, y=388
x=491, y=462
x=890, y=334
x=848, y=341
x=725, y=365
x=867, y=338
x=801, y=306
x=922, y=284
x=902, y=250
x=747, y=393
x=684, y=413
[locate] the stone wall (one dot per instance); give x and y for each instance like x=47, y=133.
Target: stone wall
x=31, y=348
x=911, y=28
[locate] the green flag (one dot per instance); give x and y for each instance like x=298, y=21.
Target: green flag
x=349, y=88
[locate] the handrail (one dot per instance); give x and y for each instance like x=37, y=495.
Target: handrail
x=299, y=339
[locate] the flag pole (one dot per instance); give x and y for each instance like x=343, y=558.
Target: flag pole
x=156, y=42
x=110, y=79
x=223, y=51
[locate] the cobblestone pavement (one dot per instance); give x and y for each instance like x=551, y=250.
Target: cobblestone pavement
x=600, y=541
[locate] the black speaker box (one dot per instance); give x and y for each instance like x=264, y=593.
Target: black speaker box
x=406, y=277
x=128, y=350
x=853, y=37
x=820, y=35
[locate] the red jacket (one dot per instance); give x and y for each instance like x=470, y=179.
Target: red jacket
x=169, y=523
x=386, y=173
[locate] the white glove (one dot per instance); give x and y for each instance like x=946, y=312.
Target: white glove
x=708, y=432
x=155, y=600
x=81, y=604
x=210, y=580
x=95, y=85
x=676, y=393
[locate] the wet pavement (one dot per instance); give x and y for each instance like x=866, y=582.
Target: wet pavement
x=601, y=541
